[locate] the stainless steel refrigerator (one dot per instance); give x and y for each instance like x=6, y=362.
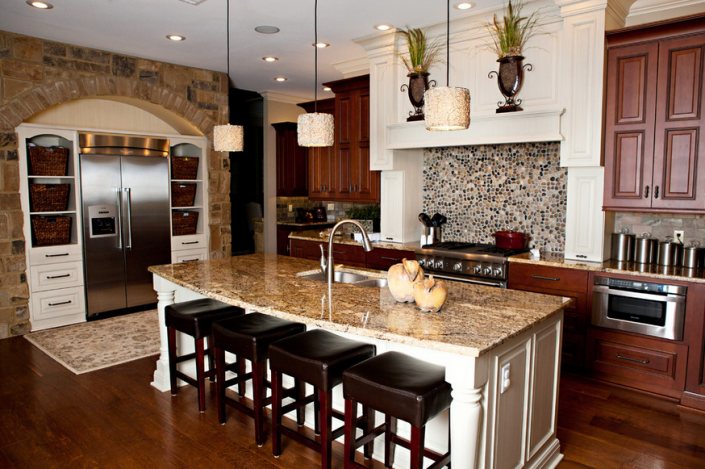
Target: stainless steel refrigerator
x=126, y=224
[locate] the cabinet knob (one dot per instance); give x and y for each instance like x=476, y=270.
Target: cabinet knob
x=656, y=192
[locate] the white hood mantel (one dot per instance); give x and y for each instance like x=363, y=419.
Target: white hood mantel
x=515, y=127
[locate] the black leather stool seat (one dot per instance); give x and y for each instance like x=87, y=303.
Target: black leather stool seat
x=399, y=385
x=249, y=336
x=318, y=357
x=196, y=317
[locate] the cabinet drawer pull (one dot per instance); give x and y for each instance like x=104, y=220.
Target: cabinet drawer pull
x=390, y=239
x=582, y=256
x=645, y=362
x=191, y=242
x=59, y=276
x=62, y=303
x=538, y=277
x=646, y=193
x=56, y=255
x=656, y=192
x=190, y=260
x=391, y=259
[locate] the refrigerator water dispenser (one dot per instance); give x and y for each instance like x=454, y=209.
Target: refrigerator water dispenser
x=102, y=219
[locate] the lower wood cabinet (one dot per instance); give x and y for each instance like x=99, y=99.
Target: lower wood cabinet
x=350, y=255
x=570, y=283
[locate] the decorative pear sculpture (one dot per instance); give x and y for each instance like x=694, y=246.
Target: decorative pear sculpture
x=401, y=279
x=430, y=294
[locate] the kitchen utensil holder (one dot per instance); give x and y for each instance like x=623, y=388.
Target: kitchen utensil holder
x=48, y=161
x=49, y=197
x=51, y=231
x=184, y=167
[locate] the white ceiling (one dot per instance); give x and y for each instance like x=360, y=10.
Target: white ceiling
x=139, y=28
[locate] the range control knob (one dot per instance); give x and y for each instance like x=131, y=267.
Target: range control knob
x=458, y=267
x=498, y=272
x=422, y=262
x=488, y=270
x=430, y=264
x=477, y=270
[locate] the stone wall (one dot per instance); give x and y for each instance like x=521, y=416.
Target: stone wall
x=36, y=74
x=488, y=188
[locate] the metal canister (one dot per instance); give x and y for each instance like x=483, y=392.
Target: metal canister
x=646, y=249
x=693, y=256
x=623, y=246
x=669, y=252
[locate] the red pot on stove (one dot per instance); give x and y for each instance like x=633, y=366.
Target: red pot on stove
x=510, y=239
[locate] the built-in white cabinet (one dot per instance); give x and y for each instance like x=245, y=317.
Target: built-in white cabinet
x=588, y=228
x=55, y=271
x=401, y=198
x=193, y=246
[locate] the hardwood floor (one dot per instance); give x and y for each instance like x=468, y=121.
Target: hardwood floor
x=50, y=417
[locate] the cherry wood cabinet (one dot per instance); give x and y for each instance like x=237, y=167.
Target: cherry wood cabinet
x=342, y=172
x=654, y=156
x=283, y=232
x=350, y=255
x=694, y=395
x=292, y=162
x=570, y=283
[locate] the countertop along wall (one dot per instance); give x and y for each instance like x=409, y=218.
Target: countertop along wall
x=35, y=75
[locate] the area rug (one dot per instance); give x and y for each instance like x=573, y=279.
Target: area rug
x=101, y=344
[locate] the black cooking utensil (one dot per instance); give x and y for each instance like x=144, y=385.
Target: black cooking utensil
x=436, y=219
x=423, y=218
x=442, y=219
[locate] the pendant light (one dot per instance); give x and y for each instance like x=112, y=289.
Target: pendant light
x=228, y=137
x=315, y=129
x=447, y=108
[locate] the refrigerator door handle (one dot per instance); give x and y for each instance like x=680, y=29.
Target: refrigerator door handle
x=118, y=193
x=129, y=219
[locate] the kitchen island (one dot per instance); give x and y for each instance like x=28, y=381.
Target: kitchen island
x=501, y=348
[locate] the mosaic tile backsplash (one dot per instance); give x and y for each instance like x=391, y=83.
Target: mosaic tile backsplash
x=488, y=188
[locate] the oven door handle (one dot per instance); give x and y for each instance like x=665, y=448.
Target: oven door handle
x=641, y=296
x=474, y=281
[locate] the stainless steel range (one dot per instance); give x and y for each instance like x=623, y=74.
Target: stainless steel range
x=483, y=264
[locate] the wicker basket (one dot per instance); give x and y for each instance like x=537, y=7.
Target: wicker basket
x=184, y=167
x=51, y=231
x=184, y=222
x=49, y=197
x=48, y=161
x=183, y=194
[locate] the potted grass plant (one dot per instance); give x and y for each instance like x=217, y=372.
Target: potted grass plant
x=421, y=56
x=368, y=216
x=509, y=37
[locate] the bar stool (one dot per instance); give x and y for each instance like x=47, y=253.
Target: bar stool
x=249, y=337
x=318, y=358
x=403, y=388
x=195, y=318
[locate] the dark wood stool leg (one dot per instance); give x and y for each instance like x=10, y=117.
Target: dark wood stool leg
x=300, y=389
x=326, y=428
x=277, y=391
x=417, y=442
x=369, y=415
x=350, y=434
x=220, y=383
x=389, y=447
x=448, y=465
x=171, y=341
x=241, y=370
x=211, y=357
x=316, y=413
x=200, y=375
x=258, y=374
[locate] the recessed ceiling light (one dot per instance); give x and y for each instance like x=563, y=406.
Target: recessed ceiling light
x=270, y=59
x=281, y=78
x=321, y=45
x=175, y=37
x=383, y=27
x=267, y=29
x=40, y=5
x=326, y=88
x=464, y=6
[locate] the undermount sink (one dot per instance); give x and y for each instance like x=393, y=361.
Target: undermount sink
x=349, y=277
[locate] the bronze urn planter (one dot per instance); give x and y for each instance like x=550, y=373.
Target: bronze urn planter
x=510, y=77
x=418, y=84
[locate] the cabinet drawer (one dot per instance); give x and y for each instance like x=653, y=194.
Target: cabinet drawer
x=54, y=276
x=385, y=258
x=574, y=323
x=55, y=254
x=638, y=362
x=190, y=255
x=345, y=252
x=182, y=243
x=553, y=278
x=57, y=303
x=573, y=349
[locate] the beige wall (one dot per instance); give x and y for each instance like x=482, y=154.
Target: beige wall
x=277, y=108
x=36, y=75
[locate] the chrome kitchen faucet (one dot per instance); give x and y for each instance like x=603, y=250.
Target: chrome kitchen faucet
x=328, y=268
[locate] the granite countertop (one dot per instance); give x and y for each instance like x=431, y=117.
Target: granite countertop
x=313, y=235
x=474, y=320
x=308, y=223
x=655, y=271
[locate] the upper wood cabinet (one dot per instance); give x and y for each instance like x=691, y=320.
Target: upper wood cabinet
x=654, y=156
x=342, y=172
x=292, y=162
